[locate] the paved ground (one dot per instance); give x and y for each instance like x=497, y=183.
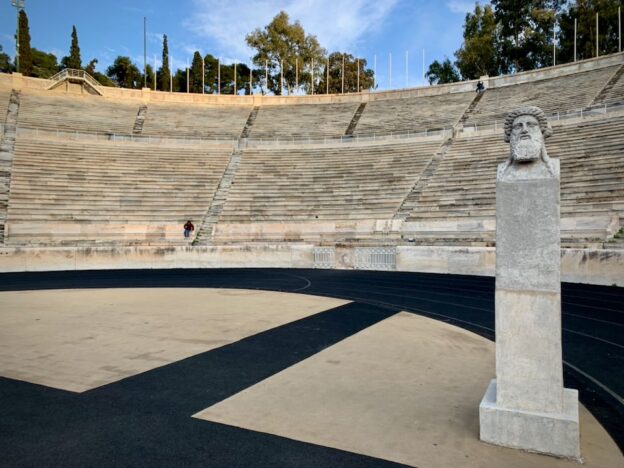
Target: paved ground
x=144, y=419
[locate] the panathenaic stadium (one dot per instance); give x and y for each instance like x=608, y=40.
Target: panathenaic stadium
x=334, y=305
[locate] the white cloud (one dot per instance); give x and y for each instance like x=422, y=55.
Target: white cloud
x=461, y=6
x=338, y=24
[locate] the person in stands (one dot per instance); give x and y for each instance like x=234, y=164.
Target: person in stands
x=188, y=228
x=480, y=87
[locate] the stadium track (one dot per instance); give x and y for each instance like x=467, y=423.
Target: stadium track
x=593, y=349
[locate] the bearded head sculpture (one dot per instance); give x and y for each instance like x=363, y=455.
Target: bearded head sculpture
x=525, y=130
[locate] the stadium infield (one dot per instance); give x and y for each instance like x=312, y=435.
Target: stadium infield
x=268, y=375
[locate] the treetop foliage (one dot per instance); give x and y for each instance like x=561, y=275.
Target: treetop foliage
x=25, y=58
x=499, y=37
x=512, y=36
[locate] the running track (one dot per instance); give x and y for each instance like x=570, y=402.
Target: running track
x=145, y=419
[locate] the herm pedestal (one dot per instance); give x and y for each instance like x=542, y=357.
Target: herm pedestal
x=526, y=406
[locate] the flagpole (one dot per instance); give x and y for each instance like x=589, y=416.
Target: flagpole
x=154, y=72
x=219, y=76
x=235, y=78
x=406, y=69
x=188, y=84
x=145, y=50
x=390, y=70
x=327, y=77
x=358, y=75
x=374, y=71
x=203, y=75
x=343, y=73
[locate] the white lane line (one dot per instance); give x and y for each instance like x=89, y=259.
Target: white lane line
x=593, y=337
x=617, y=397
x=594, y=319
x=304, y=279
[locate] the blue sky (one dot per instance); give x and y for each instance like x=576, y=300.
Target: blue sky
x=362, y=27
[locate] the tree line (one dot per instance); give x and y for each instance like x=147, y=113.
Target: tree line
x=287, y=61
x=505, y=36
x=509, y=36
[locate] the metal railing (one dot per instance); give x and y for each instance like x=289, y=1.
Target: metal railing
x=73, y=73
x=585, y=112
x=359, y=138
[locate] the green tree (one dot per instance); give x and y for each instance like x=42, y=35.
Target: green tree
x=5, y=62
x=480, y=52
x=125, y=73
x=164, y=72
x=44, y=65
x=442, y=73
x=73, y=60
x=25, y=54
x=584, y=11
x=150, y=76
x=526, y=31
x=350, y=74
x=196, y=73
x=90, y=69
x=99, y=77
x=281, y=43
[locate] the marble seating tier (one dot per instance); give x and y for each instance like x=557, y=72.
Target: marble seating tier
x=591, y=166
x=303, y=121
x=561, y=94
x=195, y=121
x=76, y=113
x=72, y=192
x=341, y=182
x=413, y=114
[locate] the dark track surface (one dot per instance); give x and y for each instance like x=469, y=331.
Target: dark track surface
x=145, y=419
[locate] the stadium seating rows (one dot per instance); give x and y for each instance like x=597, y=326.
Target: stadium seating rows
x=197, y=121
x=561, y=94
x=84, y=192
x=413, y=114
x=89, y=192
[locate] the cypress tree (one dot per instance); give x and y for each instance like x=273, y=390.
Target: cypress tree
x=74, y=60
x=25, y=54
x=196, y=73
x=165, y=74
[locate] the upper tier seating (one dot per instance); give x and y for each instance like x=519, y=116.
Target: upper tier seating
x=195, y=121
x=84, y=192
x=76, y=113
x=413, y=114
x=565, y=93
x=592, y=173
x=303, y=121
x=329, y=182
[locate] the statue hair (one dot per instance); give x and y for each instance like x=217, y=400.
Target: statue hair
x=529, y=110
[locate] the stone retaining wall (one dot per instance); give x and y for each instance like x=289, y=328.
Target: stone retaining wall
x=603, y=267
x=17, y=81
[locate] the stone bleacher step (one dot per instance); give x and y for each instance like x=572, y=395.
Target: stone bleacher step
x=206, y=230
x=7, y=154
x=356, y=118
x=140, y=119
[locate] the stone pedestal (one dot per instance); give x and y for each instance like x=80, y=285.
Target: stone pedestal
x=526, y=406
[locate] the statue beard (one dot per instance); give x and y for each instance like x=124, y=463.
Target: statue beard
x=526, y=149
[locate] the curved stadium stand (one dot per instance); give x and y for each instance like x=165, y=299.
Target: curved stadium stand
x=400, y=180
